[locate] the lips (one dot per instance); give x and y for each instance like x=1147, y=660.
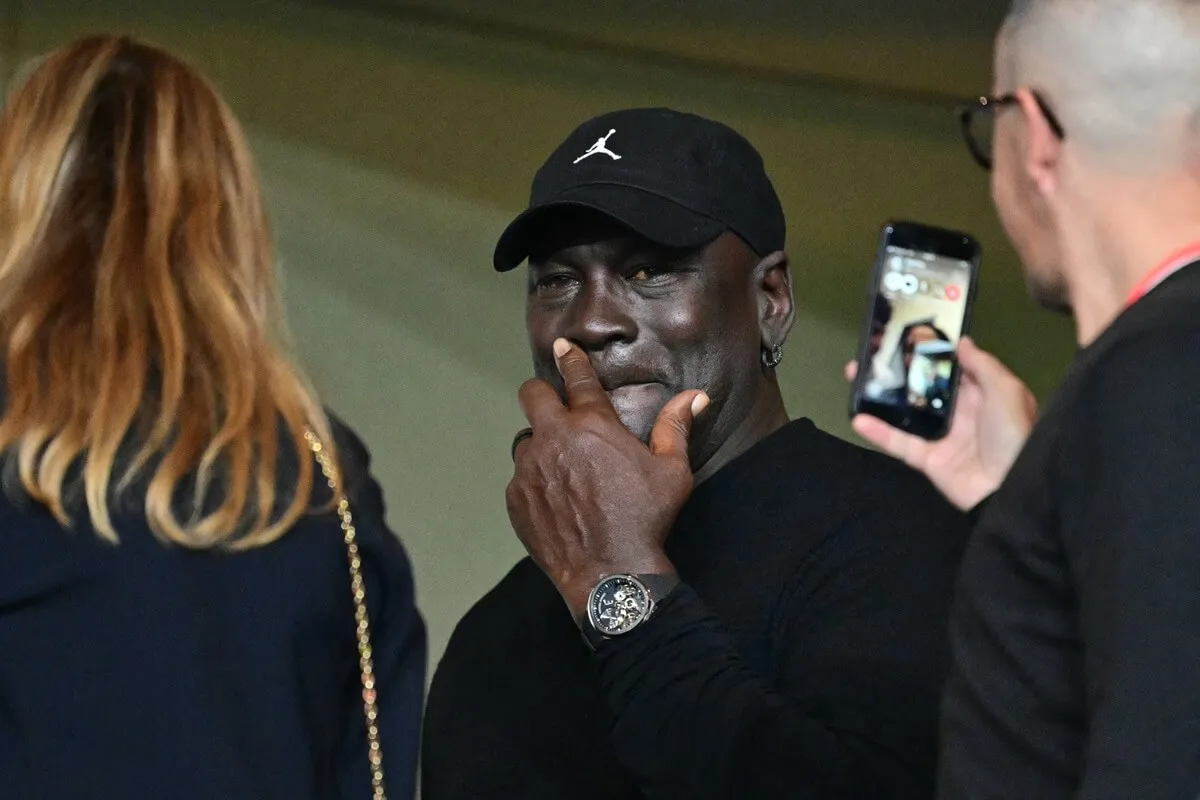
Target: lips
x=611, y=381
x=634, y=394
x=637, y=396
x=627, y=388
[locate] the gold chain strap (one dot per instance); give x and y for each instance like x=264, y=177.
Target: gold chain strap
x=358, y=588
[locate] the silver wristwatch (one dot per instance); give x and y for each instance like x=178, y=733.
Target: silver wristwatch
x=620, y=603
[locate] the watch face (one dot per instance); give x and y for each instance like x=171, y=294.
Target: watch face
x=618, y=604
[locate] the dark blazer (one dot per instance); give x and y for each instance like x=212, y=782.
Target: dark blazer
x=144, y=670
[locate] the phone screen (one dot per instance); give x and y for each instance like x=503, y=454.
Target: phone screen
x=920, y=310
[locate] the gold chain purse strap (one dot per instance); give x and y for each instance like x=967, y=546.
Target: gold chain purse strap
x=359, y=590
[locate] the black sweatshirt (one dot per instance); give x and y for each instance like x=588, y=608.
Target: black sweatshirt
x=802, y=658
x=1077, y=633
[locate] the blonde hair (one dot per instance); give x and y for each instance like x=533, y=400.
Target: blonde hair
x=139, y=316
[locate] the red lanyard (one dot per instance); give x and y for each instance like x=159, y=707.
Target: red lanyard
x=1170, y=265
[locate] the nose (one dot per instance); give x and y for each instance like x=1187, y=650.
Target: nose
x=600, y=316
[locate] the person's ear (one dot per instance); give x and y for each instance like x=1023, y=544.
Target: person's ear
x=776, y=302
x=1043, y=145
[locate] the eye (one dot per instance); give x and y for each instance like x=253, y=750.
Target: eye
x=553, y=283
x=649, y=273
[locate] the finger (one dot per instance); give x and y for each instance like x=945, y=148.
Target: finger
x=521, y=446
x=582, y=387
x=1031, y=404
x=851, y=371
x=994, y=378
x=896, y=443
x=669, y=436
x=540, y=404
x=983, y=367
x=519, y=442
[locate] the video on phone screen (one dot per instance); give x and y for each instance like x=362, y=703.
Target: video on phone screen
x=915, y=329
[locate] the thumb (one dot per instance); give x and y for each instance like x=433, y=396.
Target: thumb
x=983, y=367
x=910, y=449
x=669, y=437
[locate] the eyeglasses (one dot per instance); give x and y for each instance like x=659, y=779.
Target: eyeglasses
x=978, y=121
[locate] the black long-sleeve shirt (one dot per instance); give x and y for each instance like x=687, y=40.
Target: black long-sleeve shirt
x=146, y=671
x=802, y=658
x=1076, y=636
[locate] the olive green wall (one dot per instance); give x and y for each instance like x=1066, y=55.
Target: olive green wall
x=396, y=139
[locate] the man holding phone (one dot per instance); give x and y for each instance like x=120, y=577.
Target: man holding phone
x=719, y=602
x=1076, y=633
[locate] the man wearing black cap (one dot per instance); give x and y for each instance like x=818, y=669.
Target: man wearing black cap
x=719, y=602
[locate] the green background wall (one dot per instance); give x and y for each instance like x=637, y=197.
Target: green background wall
x=395, y=139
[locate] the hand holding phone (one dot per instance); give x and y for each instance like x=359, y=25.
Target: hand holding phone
x=961, y=417
x=921, y=294
x=994, y=413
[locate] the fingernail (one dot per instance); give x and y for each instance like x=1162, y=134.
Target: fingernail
x=699, y=403
x=561, y=347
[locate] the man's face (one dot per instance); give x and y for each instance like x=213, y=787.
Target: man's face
x=654, y=321
x=1022, y=209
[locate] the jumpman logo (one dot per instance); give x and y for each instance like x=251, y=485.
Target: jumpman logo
x=600, y=147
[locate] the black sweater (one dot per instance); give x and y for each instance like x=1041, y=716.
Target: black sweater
x=802, y=658
x=1077, y=631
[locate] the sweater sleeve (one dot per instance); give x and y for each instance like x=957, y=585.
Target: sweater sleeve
x=1131, y=531
x=851, y=711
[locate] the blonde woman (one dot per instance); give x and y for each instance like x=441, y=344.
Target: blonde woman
x=176, y=613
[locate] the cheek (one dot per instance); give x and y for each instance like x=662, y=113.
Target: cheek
x=710, y=348
x=1022, y=214
x=542, y=329
x=683, y=340
x=1008, y=205
x=540, y=322
x=1000, y=184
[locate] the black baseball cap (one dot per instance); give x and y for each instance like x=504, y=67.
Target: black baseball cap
x=678, y=179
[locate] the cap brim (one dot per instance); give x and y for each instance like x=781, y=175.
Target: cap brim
x=658, y=219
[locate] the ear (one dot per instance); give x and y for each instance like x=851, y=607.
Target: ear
x=776, y=303
x=1043, y=148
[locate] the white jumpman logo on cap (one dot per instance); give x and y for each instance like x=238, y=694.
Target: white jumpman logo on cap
x=599, y=147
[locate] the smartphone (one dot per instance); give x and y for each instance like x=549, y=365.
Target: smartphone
x=922, y=290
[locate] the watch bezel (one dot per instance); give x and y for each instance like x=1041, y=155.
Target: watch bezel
x=591, y=606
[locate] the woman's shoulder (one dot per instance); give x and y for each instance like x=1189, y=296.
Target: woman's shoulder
x=354, y=462
x=365, y=494
x=353, y=455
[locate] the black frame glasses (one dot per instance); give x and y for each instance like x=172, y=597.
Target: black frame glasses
x=968, y=113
